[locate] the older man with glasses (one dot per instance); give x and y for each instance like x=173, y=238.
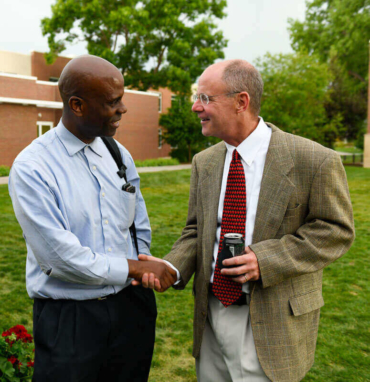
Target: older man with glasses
x=256, y=315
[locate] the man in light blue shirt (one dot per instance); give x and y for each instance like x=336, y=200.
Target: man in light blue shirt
x=90, y=324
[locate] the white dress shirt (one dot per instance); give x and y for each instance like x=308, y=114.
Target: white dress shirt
x=253, y=151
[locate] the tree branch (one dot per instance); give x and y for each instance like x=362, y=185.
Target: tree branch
x=105, y=38
x=115, y=42
x=356, y=75
x=160, y=59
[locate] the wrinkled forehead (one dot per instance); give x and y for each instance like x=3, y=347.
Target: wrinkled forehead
x=210, y=82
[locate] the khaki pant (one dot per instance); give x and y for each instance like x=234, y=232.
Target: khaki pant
x=228, y=353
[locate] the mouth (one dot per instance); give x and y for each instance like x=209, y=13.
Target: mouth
x=204, y=120
x=115, y=124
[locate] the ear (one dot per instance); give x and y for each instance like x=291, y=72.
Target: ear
x=77, y=105
x=243, y=101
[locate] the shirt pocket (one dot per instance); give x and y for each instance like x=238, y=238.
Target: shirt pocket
x=128, y=204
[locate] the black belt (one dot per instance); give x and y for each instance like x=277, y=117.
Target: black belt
x=244, y=299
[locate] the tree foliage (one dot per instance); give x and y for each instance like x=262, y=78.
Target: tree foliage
x=338, y=32
x=295, y=91
x=183, y=130
x=154, y=42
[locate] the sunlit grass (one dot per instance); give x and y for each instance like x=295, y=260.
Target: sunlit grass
x=343, y=347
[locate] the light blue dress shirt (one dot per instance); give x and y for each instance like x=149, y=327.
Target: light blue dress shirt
x=75, y=216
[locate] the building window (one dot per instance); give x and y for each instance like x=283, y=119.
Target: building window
x=159, y=102
x=159, y=138
x=43, y=127
x=53, y=79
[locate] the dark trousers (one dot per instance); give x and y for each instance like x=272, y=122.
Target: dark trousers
x=95, y=340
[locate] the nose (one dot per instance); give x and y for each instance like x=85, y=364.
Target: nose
x=197, y=106
x=122, y=109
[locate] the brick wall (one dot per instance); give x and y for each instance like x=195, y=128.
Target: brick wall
x=17, y=130
x=138, y=131
x=13, y=87
x=43, y=71
x=18, y=88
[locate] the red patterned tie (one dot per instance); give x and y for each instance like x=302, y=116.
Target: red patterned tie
x=233, y=221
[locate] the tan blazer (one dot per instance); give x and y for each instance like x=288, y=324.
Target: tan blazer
x=304, y=222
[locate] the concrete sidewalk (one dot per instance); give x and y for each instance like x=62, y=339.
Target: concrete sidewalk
x=4, y=179
x=163, y=168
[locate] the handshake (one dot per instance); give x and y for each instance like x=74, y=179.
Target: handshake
x=152, y=272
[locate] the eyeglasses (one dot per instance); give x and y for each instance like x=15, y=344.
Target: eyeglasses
x=204, y=98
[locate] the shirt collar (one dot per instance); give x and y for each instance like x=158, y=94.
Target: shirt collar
x=249, y=148
x=72, y=144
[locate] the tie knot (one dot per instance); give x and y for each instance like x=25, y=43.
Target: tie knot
x=236, y=156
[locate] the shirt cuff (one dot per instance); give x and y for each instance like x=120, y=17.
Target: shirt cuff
x=177, y=272
x=118, y=271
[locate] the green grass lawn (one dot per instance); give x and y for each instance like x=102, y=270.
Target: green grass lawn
x=343, y=347
x=348, y=147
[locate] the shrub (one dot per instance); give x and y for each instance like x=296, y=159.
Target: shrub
x=4, y=171
x=16, y=354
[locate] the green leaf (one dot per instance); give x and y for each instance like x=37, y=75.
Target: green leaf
x=338, y=32
x=6, y=367
x=150, y=41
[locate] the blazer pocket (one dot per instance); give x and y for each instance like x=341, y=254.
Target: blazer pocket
x=306, y=303
x=293, y=211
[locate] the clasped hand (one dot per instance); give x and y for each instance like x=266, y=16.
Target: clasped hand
x=246, y=267
x=152, y=273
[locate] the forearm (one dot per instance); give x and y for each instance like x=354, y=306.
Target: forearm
x=57, y=250
x=183, y=258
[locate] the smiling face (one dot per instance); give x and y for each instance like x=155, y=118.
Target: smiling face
x=219, y=115
x=103, y=107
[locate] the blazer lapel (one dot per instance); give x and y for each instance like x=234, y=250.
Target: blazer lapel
x=276, y=188
x=210, y=188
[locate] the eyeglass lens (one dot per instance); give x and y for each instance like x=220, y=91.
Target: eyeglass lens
x=203, y=98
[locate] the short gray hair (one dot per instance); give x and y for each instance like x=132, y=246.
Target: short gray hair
x=240, y=76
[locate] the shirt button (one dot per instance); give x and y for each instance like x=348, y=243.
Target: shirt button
x=109, y=249
x=103, y=194
x=94, y=167
x=106, y=221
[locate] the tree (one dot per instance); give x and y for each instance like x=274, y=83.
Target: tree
x=183, y=129
x=295, y=92
x=338, y=32
x=154, y=42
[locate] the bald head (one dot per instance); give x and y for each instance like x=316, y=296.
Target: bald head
x=240, y=76
x=83, y=76
x=92, y=90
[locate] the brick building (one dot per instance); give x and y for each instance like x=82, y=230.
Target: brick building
x=30, y=105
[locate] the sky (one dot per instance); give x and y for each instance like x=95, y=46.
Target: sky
x=253, y=27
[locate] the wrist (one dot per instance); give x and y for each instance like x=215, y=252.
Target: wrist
x=133, y=268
